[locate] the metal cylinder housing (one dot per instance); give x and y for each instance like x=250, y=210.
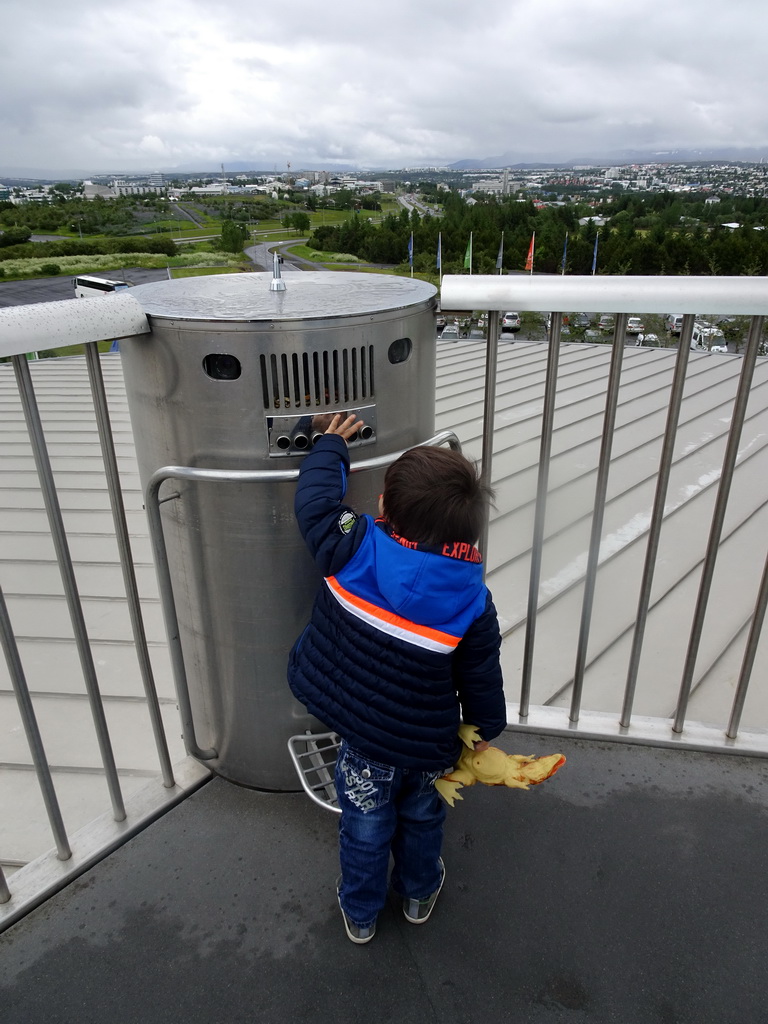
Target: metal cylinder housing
x=236, y=376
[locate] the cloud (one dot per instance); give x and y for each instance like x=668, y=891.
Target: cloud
x=149, y=84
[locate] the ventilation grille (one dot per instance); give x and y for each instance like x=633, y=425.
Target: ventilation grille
x=341, y=377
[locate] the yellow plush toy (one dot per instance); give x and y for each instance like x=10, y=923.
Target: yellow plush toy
x=493, y=767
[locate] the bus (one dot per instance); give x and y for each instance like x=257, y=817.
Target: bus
x=88, y=287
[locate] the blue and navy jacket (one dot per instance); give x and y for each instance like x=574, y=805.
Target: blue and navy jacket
x=403, y=641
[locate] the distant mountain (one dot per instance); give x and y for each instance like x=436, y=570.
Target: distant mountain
x=496, y=163
x=521, y=162
x=30, y=177
x=731, y=154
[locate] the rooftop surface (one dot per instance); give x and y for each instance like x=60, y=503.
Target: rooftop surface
x=629, y=889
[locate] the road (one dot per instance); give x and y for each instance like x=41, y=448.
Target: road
x=411, y=202
x=53, y=289
x=261, y=256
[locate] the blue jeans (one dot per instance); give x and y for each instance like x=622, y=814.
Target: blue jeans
x=383, y=810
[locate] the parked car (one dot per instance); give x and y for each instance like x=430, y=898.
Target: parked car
x=510, y=323
x=707, y=338
x=581, y=320
x=450, y=333
x=607, y=322
x=635, y=325
x=649, y=340
x=674, y=323
x=440, y=321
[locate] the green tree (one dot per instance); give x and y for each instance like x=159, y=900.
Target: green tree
x=15, y=236
x=301, y=222
x=232, y=236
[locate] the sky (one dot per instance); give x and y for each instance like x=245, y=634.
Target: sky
x=185, y=84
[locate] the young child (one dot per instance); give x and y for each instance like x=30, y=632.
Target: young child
x=403, y=641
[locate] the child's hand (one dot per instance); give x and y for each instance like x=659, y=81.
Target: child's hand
x=346, y=428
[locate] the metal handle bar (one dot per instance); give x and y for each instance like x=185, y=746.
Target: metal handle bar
x=160, y=552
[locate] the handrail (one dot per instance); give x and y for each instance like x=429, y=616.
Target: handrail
x=162, y=566
x=42, y=325
x=623, y=295
x=585, y=294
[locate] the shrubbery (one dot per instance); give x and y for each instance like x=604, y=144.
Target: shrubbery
x=84, y=264
x=78, y=247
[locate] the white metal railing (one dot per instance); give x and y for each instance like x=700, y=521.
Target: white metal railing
x=622, y=296
x=29, y=328
x=23, y=330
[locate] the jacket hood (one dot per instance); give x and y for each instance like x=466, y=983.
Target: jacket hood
x=424, y=585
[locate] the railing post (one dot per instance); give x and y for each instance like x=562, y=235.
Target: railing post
x=601, y=488
x=126, y=557
x=542, y=487
x=489, y=413
x=58, y=534
x=32, y=730
x=5, y=892
x=657, y=516
x=718, y=518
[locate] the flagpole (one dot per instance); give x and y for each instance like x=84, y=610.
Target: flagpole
x=440, y=256
x=500, y=257
x=594, y=254
x=565, y=251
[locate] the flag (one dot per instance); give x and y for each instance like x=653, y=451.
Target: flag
x=440, y=251
x=565, y=251
x=410, y=250
x=529, y=259
x=594, y=254
x=500, y=257
x=468, y=254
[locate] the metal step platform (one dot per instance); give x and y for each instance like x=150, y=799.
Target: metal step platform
x=314, y=758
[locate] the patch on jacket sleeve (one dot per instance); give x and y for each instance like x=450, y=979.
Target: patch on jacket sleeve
x=347, y=520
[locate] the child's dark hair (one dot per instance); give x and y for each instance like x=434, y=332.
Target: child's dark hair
x=433, y=496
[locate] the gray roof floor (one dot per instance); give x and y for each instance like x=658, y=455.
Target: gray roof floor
x=629, y=889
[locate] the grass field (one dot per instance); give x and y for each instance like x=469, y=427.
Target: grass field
x=72, y=350
x=203, y=271
x=315, y=256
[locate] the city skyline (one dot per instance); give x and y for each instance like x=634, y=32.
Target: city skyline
x=181, y=86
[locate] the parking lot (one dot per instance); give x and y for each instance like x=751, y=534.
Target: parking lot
x=53, y=289
x=588, y=328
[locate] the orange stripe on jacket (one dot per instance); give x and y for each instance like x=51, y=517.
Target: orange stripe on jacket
x=392, y=623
